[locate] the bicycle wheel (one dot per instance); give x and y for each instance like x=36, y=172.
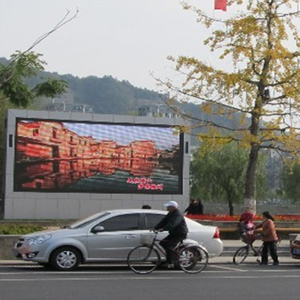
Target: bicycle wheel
x=143, y=259
x=240, y=255
x=193, y=259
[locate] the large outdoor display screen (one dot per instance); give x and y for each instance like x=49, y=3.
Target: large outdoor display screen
x=86, y=157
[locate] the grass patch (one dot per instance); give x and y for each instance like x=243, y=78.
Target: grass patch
x=20, y=228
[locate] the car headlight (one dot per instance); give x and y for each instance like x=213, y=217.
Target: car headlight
x=39, y=239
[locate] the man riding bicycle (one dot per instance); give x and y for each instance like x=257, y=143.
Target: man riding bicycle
x=173, y=222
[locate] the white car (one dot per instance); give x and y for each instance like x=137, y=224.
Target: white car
x=104, y=237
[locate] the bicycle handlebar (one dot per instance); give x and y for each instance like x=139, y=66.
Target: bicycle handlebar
x=156, y=231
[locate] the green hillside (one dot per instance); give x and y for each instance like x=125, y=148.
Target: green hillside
x=108, y=95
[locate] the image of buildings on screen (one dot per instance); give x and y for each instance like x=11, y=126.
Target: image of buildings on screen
x=97, y=158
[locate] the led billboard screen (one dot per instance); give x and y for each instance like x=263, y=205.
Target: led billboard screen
x=86, y=157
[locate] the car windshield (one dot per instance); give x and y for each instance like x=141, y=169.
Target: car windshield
x=88, y=220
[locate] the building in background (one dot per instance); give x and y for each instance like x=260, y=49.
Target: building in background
x=158, y=110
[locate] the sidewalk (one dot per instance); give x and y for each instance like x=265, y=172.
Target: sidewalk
x=230, y=246
x=239, y=243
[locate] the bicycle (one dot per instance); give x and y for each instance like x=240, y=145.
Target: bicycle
x=242, y=253
x=192, y=258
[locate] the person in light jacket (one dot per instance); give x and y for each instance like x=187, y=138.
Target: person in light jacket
x=269, y=238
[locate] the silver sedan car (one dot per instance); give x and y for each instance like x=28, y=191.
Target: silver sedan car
x=107, y=236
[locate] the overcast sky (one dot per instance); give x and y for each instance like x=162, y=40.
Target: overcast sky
x=126, y=39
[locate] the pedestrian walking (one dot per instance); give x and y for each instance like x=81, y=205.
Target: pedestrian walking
x=269, y=238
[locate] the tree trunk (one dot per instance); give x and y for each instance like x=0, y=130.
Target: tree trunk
x=250, y=182
x=230, y=198
x=230, y=205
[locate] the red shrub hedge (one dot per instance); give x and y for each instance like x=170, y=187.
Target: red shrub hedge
x=211, y=217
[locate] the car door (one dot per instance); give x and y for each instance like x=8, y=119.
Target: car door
x=150, y=221
x=120, y=234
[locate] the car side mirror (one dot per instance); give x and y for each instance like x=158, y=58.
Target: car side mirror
x=97, y=228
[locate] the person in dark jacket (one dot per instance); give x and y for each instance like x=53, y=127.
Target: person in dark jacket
x=195, y=207
x=173, y=222
x=146, y=206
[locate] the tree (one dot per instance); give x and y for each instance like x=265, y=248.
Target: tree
x=219, y=173
x=22, y=66
x=261, y=43
x=14, y=90
x=290, y=181
x=26, y=64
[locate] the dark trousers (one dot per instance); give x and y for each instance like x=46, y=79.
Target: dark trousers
x=272, y=247
x=169, y=243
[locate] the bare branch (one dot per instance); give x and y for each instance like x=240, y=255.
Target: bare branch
x=61, y=23
x=8, y=74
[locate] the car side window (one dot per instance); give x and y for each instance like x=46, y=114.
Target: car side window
x=122, y=223
x=151, y=220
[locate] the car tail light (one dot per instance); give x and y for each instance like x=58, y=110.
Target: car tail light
x=217, y=234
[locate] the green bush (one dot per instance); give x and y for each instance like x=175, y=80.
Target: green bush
x=20, y=228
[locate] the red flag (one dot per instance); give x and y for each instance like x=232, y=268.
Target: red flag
x=221, y=4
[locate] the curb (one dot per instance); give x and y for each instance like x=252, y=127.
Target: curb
x=223, y=259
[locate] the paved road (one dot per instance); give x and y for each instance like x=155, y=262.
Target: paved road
x=220, y=280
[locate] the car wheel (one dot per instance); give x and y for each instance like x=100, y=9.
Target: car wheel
x=65, y=259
